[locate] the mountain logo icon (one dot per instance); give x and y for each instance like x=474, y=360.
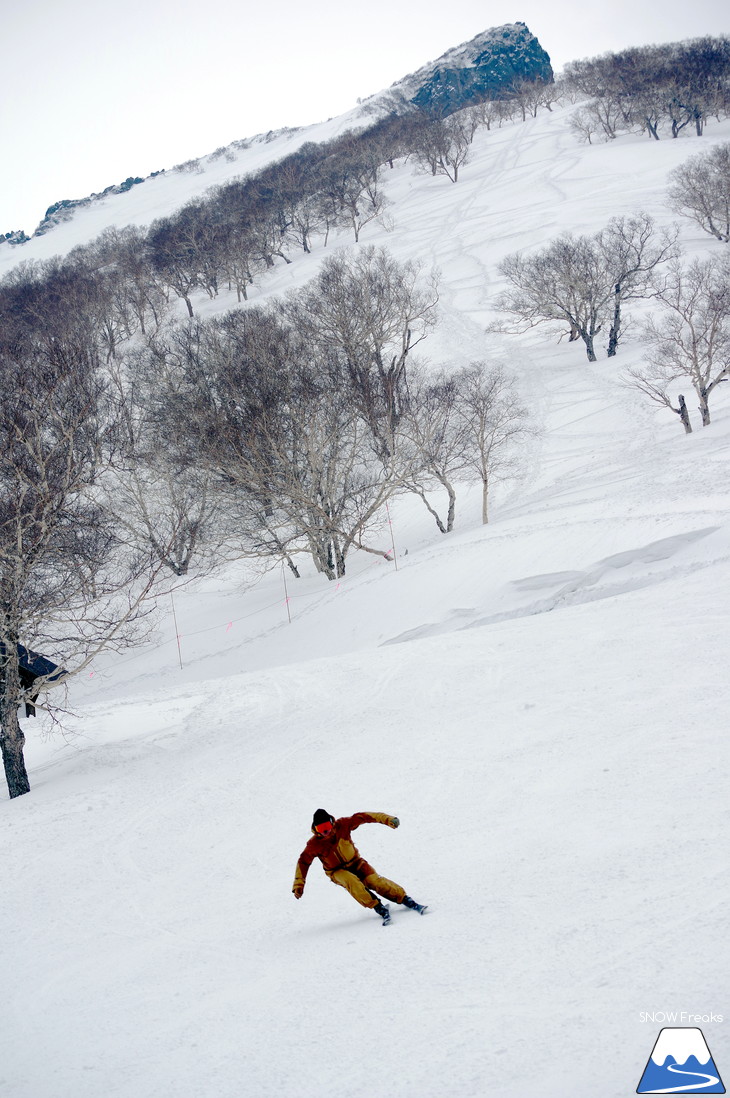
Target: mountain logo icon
x=680, y=1063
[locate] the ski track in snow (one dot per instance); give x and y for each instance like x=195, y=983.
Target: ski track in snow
x=542, y=701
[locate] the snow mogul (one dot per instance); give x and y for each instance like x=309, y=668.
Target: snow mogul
x=332, y=843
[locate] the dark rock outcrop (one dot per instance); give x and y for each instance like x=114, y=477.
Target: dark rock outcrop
x=17, y=237
x=487, y=67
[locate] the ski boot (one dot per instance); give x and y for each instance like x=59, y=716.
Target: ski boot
x=420, y=908
x=383, y=912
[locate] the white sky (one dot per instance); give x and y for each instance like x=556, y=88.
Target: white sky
x=92, y=93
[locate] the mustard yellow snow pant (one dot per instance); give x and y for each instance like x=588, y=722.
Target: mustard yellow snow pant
x=361, y=880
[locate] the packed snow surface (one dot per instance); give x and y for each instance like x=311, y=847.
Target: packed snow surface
x=543, y=702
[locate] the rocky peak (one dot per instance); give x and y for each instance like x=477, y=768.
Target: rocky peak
x=487, y=67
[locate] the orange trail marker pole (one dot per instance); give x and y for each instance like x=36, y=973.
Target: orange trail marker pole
x=286, y=593
x=177, y=635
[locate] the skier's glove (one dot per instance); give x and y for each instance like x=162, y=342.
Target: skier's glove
x=298, y=890
x=394, y=821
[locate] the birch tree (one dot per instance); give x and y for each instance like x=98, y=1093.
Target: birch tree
x=562, y=284
x=631, y=249
x=66, y=589
x=583, y=282
x=688, y=337
x=436, y=431
x=701, y=191
x=494, y=422
x=374, y=311
x=441, y=146
x=164, y=504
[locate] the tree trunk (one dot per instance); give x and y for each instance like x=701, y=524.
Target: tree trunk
x=704, y=407
x=451, y=513
x=590, y=350
x=12, y=739
x=432, y=511
x=339, y=560
x=292, y=566
x=16, y=775
x=485, y=500
x=684, y=415
x=452, y=508
x=616, y=323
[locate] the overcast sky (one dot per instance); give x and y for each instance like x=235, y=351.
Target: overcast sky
x=91, y=93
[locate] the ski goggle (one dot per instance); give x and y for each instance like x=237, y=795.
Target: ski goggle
x=323, y=828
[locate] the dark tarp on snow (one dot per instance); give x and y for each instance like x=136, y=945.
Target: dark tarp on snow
x=34, y=666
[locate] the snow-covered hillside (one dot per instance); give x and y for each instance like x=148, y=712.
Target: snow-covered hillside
x=162, y=194
x=543, y=702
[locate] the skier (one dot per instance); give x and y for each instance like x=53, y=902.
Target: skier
x=333, y=845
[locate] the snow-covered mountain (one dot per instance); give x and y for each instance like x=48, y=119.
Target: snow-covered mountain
x=542, y=702
x=486, y=66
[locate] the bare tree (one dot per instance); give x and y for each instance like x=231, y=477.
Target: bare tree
x=563, y=284
x=329, y=484
x=240, y=260
x=271, y=418
x=690, y=336
x=63, y=580
x=584, y=124
x=164, y=504
x=373, y=310
x=656, y=381
x=435, y=428
x=483, y=114
x=307, y=220
x=584, y=281
x=554, y=92
x=652, y=87
x=351, y=193
x=494, y=421
x=701, y=190
x=529, y=95
x=442, y=145
x=602, y=115
x=172, y=259
x=208, y=389
x=137, y=294
x=631, y=250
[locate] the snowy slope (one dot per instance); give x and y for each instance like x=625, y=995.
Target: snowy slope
x=542, y=702
x=162, y=194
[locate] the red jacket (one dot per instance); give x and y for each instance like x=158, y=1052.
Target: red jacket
x=336, y=850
